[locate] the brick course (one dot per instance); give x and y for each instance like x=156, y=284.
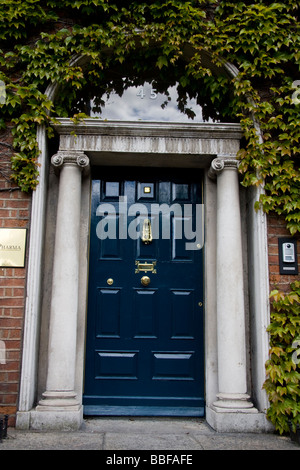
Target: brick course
x=14, y=213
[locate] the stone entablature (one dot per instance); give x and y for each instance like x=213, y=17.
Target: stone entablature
x=196, y=143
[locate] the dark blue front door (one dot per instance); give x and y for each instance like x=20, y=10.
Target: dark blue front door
x=144, y=345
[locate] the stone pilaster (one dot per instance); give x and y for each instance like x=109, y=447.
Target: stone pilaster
x=59, y=400
x=231, y=334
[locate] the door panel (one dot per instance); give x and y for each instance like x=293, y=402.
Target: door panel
x=144, y=345
x=107, y=321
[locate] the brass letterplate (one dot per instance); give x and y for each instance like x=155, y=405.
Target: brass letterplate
x=145, y=267
x=12, y=247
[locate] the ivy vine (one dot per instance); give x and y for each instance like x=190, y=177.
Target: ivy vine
x=147, y=39
x=282, y=384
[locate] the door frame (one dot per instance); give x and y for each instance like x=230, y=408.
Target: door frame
x=141, y=144
x=148, y=144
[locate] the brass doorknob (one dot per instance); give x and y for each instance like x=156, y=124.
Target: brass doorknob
x=145, y=280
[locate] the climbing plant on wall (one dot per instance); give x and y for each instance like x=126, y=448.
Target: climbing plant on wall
x=39, y=38
x=282, y=384
x=143, y=39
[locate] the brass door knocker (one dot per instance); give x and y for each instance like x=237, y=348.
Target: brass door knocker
x=147, y=232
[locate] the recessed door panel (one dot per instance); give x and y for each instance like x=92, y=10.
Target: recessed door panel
x=183, y=314
x=110, y=247
x=107, y=313
x=120, y=365
x=145, y=314
x=173, y=366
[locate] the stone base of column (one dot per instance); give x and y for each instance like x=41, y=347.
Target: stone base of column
x=238, y=420
x=234, y=402
x=58, y=400
x=56, y=420
x=50, y=420
x=57, y=411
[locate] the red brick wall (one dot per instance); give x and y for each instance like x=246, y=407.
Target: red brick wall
x=14, y=213
x=276, y=229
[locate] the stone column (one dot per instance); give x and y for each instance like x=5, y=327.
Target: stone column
x=231, y=333
x=60, y=399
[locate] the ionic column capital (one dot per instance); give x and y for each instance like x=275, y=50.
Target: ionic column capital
x=222, y=163
x=63, y=157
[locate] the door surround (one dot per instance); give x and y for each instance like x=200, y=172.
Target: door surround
x=212, y=147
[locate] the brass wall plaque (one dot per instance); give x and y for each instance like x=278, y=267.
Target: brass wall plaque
x=12, y=247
